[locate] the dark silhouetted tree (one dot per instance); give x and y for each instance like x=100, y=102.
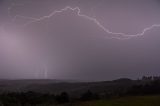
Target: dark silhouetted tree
x=89, y=96
x=62, y=98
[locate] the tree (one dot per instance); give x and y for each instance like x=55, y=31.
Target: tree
x=62, y=98
x=89, y=96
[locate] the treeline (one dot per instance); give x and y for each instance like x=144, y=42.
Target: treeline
x=33, y=98
x=147, y=86
x=150, y=78
x=143, y=86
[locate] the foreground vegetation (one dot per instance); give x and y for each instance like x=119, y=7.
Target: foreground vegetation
x=122, y=101
x=142, y=92
x=125, y=101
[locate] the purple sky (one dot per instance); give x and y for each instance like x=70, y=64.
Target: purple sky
x=69, y=46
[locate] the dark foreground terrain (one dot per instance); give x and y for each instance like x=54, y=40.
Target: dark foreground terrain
x=73, y=88
x=125, y=101
x=121, y=92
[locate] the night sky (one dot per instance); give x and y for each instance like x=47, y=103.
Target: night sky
x=79, y=39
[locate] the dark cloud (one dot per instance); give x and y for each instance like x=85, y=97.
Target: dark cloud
x=74, y=47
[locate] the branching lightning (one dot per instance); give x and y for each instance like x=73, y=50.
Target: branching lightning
x=115, y=35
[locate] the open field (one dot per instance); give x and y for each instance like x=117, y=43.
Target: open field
x=125, y=101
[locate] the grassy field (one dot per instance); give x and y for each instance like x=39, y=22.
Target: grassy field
x=126, y=101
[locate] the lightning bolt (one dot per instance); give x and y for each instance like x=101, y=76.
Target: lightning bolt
x=43, y=68
x=116, y=35
x=45, y=71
